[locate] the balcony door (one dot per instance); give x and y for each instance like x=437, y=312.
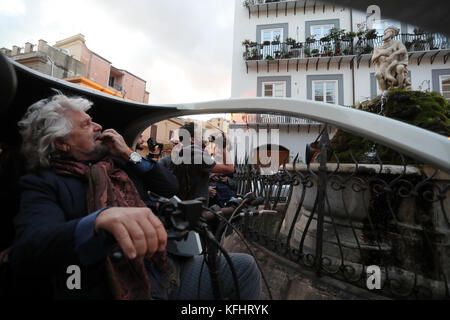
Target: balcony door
x=270, y=35
x=320, y=31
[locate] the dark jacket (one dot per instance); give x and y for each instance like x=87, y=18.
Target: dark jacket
x=51, y=206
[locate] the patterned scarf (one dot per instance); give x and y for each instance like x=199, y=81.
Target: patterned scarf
x=110, y=186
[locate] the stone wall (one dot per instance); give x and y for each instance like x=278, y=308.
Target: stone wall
x=289, y=281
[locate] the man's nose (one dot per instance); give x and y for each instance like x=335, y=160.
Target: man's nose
x=97, y=127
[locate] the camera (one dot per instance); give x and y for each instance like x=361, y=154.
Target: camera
x=152, y=147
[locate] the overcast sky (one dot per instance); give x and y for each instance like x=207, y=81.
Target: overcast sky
x=182, y=48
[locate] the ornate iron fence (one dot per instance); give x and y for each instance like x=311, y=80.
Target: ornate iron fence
x=343, y=47
x=274, y=119
x=338, y=218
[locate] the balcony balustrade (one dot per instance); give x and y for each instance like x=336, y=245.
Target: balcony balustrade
x=270, y=119
x=345, y=47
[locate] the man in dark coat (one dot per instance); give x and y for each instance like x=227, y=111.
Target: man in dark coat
x=85, y=182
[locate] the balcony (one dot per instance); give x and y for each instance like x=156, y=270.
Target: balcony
x=263, y=7
x=291, y=54
x=271, y=120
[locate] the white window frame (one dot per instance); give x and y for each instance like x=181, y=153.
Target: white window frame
x=322, y=26
x=273, y=83
x=324, y=82
x=441, y=79
x=271, y=34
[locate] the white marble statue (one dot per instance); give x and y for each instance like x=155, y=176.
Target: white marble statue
x=391, y=62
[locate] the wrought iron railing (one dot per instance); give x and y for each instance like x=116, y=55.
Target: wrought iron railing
x=251, y=119
x=338, y=219
x=317, y=48
x=256, y=2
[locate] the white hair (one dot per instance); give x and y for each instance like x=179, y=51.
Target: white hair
x=44, y=122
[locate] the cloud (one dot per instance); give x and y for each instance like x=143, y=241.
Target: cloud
x=182, y=48
x=12, y=7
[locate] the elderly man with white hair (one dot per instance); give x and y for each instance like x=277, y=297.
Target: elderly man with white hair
x=86, y=181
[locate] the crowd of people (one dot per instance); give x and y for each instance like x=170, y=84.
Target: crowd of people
x=85, y=186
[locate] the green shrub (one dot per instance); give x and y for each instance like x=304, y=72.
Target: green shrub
x=428, y=110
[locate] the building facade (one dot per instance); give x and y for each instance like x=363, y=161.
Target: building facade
x=47, y=59
x=70, y=59
x=320, y=51
x=101, y=71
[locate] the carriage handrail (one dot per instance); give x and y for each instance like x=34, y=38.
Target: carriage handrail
x=421, y=144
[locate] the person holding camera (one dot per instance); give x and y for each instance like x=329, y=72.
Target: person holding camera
x=85, y=186
x=154, y=149
x=192, y=164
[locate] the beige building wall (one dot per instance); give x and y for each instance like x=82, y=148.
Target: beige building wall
x=134, y=87
x=74, y=44
x=164, y=130
x=98, y=70
x=47, y=59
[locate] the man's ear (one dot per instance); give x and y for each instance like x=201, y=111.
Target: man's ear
x=61, y=145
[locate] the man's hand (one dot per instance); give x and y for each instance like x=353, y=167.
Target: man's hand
x=116, y=144
x=212, y=191
x=137, y=230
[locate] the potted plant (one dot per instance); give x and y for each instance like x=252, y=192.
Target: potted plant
x=269, y=57
x=310, y=40
x=297, y=45
x=367, y=49
x=419, y=44
x=360, y=34
x=285, y=54
x=336, y=34
x=348, y=36
x=430, y=41
x=254, y=54
x=315, y=52
x=247, y=3
x=371, y=34
x=290, y=41
x=347, y=51
x=277, y=40
x=325, y=39
x=246, y=42
x=408, y=45
x=418, y=31
x=307, y=52
x=277, y=54
x=266, y=43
